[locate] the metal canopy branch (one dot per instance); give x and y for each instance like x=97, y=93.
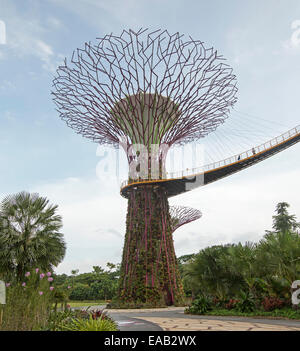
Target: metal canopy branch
x=179, y=90
x=181, y=215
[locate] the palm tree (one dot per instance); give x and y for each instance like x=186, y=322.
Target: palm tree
x=283, y=221
x=209, y=275
x=279, y=254
x=29, y=234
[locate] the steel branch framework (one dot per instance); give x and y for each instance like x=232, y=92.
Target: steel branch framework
x=88, y=90
x=181, y=215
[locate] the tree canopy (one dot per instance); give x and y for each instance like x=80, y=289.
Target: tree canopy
x=30, y=234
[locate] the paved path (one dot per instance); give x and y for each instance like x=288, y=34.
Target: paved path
x=174, y=319
x=127, y=322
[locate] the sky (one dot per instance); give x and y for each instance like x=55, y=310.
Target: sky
x=39, y=153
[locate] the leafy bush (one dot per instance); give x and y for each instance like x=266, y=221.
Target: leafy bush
x=90, y=324
x=95, y=314
x=81, y=292
x=219, y=303
x=58, y=318
x=231, y=304
x=201, y=305
x=66, y=320
x=246, y=303
x=272, y=303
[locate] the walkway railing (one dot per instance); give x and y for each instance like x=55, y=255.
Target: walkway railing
x=227, y=161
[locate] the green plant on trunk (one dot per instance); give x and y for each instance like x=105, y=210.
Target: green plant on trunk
x=149, y=269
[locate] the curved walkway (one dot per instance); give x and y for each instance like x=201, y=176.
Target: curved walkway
x=174, y=319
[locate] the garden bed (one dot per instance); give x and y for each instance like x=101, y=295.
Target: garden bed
x=276, y=314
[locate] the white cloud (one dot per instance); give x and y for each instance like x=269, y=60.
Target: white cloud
x=45, y=53
x=292, y=44
x=6, y=85
x=295, y=38
x=54, y=23
x=94, y=220
x=25, y=37
x=9, y=116
x=44, y=50
x=107, y=15
x=26, y=44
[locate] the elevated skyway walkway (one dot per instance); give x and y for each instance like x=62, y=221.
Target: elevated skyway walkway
x=180, y=182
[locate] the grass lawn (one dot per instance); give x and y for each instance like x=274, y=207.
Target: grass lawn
x=86, y=303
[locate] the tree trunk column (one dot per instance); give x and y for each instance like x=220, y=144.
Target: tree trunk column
x=149, y=270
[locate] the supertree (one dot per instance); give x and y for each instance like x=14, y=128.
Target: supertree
x=146, y=91
x=181, y=215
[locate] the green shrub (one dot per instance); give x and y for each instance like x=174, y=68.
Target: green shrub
x=220, y=303
x=81, y=292
x=201, y=305
x=231, y=304
x=90, y=324
x=271, y=303
x=68, y=319
x=58, y=318
x=245, y=304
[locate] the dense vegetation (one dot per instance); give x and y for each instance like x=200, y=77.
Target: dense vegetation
x=31, y=245
x=99, y=284
x=250, y=276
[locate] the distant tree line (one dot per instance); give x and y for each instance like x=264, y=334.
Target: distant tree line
x=100, y=284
